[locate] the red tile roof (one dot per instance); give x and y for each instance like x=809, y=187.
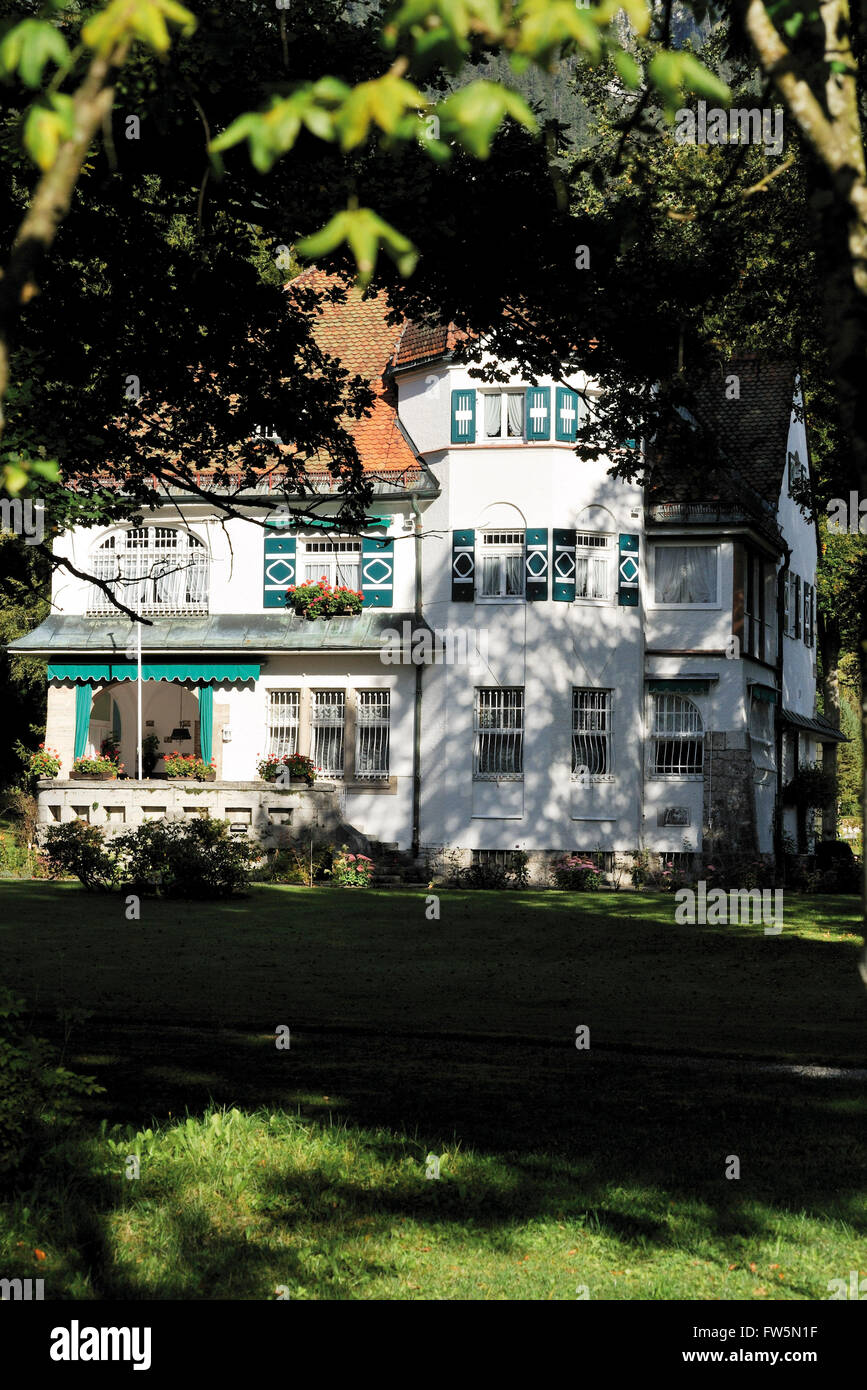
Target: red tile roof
x=356, y=332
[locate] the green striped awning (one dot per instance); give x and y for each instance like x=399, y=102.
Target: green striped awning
x=684, y=685
x=198, y=672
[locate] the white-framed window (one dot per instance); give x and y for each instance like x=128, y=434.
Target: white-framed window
x=338, y=561
x=762, y=734
x=504, y=414
x=152, y=569
x=677, y=737
x=372, y=714
x=327, y=719
x=501, y=564
x=284, y=709
x=755, y=606
x=499, y=733
x=591, y=732
x=593, y=554
x=686, y=576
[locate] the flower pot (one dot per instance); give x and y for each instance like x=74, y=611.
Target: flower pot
x=208, y=776
x=93, y=776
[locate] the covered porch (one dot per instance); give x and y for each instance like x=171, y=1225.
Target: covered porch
x=91, y=700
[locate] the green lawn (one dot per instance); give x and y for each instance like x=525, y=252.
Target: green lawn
x=560, y=1169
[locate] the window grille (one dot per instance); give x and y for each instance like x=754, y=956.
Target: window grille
x=591, y=732
x=151, y=569
x=505, y=858
x=338, y=561
x=602, y=858
x=677, y=735
x=502, y=564
x=283, y=718
x=592, y=565
x=327, y=720
x=499, y=734
x=372, y=734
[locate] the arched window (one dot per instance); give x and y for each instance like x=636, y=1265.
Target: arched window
x=152, y=569
x=678, y=737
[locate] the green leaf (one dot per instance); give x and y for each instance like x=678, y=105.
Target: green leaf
x=29, y=46
x=699, y=79
x=48, y=123
x=474, y=114
x=364, y=231
x=627, y=68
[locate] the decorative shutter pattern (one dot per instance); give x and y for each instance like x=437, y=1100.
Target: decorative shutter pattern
x=377, y=571
x=279, y=569
x=536, y=564
x=567, y=414
x=628, y=571
x=464, y=416
x=538, y=412
x=463, y=566
x=563, y=585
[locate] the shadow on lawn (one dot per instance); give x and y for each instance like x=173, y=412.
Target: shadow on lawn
x=626, y=1147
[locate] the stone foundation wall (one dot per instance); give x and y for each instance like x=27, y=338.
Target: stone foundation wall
x=729, y=794
x=274, y=815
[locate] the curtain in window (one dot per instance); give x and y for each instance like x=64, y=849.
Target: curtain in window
x=685, y=574
x=490, y=574
x=515, y=407
x=492, y=414
x=514, y=574
x=590, y=576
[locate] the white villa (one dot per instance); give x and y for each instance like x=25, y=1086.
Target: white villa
x=547, y=658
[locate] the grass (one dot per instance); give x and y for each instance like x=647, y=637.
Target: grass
x=301, y=1172
x=530, y=965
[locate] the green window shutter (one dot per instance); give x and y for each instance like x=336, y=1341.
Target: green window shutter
x=377, y=571
x=538, y=412
x=279, y=569
x=536, y=564
x=463, y=566
x=464, y=416
x=563, y=587
x=567, y=414
x=628, y=571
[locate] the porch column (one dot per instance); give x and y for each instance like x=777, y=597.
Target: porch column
x=60, y=723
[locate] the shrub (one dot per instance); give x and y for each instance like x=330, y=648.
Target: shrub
x=351, y=870
x=181, y=859
x=296, y=865
x=576, y=873
x=188, y=765
x=321, y=600
x=198, y=858
x=80, y=849
x=640, y=871
x=36, y=1093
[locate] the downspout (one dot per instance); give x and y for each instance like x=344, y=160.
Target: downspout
x=782, y=580
x=419, y=668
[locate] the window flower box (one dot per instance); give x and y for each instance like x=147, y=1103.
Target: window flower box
x=178, y=765
x=95, y=770
x=324, y=600
x=292, y=768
